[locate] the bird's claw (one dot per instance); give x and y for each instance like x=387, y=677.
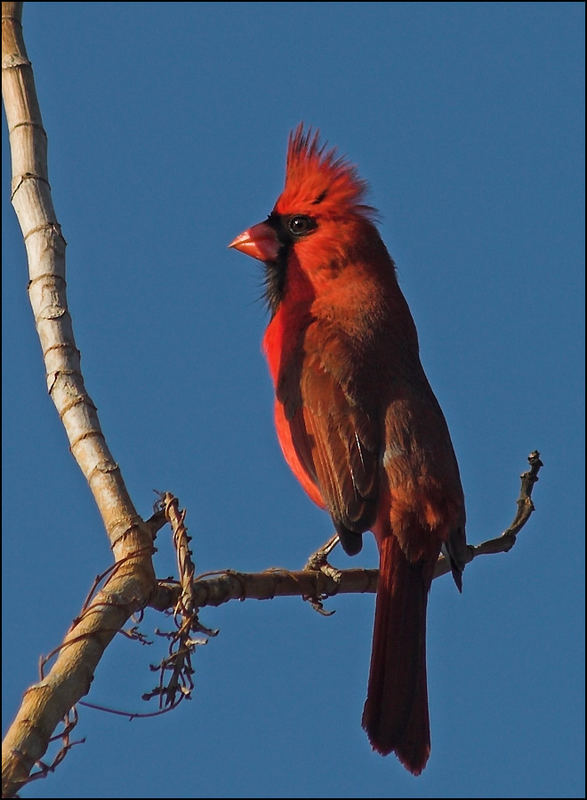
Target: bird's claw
x=319, y=559
x=318, y=562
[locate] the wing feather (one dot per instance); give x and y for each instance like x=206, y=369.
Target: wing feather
x=334, y=436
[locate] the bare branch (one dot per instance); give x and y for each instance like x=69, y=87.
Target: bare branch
x=314, y=582
x=45, y=246
x=130, y=585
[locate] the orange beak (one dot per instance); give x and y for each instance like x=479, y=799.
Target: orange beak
x=260, y=242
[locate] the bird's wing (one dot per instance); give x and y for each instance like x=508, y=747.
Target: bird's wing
x=336, y=439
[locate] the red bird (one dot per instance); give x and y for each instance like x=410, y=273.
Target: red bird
x=357, y=420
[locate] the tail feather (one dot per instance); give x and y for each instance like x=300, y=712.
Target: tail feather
x=395, y=716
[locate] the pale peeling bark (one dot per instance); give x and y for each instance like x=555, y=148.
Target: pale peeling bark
x=131, y=585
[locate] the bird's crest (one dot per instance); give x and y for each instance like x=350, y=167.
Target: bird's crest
x=317, y=180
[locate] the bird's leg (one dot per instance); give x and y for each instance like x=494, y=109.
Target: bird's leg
x=319, y=559
x=318, y=562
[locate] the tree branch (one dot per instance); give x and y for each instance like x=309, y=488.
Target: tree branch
x=130, y=585
x=312, y=583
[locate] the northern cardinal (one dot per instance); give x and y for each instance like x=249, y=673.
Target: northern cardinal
x=357, y=420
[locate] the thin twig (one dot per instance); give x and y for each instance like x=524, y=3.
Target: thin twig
x=175, y=671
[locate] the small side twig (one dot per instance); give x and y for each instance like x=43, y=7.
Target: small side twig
x=178, y=662
x=506, y=540
x=69, y=722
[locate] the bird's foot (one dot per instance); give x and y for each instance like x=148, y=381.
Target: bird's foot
x=319, y=559
x=318, y=562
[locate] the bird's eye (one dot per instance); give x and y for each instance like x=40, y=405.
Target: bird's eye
x=300, y=225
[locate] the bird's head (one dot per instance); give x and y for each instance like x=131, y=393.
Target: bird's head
x=316, y=217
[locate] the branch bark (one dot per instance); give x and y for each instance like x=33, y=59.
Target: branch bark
x=131, y=584
x=318, y=583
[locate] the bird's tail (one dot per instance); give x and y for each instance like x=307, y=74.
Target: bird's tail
x=395, y=716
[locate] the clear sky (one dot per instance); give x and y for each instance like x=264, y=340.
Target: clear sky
x=167, y=126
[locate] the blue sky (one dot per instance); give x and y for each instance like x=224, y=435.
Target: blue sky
x=167, y=126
